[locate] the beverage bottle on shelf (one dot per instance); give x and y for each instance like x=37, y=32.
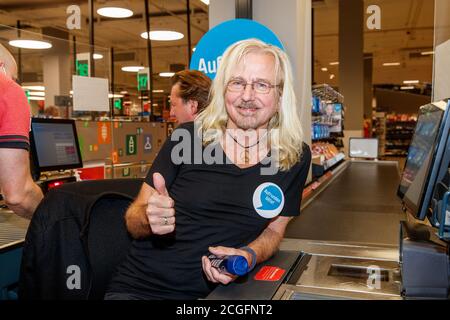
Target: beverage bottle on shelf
x=234, y=265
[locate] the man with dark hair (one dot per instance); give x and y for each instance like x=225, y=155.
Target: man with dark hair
x=189, y=95
x=21, y=194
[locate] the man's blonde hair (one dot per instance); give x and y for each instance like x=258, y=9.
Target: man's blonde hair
x=287, y=139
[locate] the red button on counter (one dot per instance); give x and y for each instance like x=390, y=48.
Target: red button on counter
x=268, y=273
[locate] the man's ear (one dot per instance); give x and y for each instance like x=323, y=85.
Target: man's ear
x=194, y=106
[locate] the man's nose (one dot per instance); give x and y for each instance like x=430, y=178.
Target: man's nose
x=248, y=93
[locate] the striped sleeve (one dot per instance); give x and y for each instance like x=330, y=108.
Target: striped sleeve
x=14, y=116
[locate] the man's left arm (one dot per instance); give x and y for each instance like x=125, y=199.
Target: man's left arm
x=264, y=246
x=268, y=242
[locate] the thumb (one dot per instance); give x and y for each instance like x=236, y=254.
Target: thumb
x=160, y=184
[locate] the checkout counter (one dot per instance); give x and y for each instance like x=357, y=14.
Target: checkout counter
x=12, y=234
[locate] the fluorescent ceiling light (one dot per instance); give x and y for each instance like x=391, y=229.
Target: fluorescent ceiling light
x=30, y=44
x=427, y=53
x=37, y=93
x=163, y=35
x=36, y=98
x=115, y=95
x=324, y=69
x=166, y=74
x=132, y=68
x=97, y=56
x=115, y=12
x=37, y=88
x=158, y=91
x=155, y=104
x=332, y=76
x=411, y=81
x=334, y=63
x=124, y=92
x=205, y=2
x=407, y=88
x=391, y=64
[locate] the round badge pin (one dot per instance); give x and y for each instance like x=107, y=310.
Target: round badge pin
x=268, y=200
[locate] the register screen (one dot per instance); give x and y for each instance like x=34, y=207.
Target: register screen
x=55, y=144
x=420, y=155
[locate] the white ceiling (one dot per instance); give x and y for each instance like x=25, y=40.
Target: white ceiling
x=407, y=28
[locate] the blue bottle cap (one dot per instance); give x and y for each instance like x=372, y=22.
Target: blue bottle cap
x=237, y=265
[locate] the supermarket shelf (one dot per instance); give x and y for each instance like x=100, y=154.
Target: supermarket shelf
x=326, y=92
x=320, y=169
x=329, y=163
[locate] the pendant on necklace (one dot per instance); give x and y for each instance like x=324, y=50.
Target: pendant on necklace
x=245, y=156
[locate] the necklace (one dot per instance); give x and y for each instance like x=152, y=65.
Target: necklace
x=245, y=154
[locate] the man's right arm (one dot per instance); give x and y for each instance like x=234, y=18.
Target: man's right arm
x=152, y=212
x=136, y=218
x=21, y=194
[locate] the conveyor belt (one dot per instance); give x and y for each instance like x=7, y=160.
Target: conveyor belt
x=360, y=205
x=12, y=229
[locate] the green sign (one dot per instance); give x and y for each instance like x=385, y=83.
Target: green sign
x=131, y=144
x=118, y=104
x=83, y=68
x=27, y=93
x=142, y=79
x=126, y=172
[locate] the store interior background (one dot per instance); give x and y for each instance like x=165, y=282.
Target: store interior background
x=397, y=70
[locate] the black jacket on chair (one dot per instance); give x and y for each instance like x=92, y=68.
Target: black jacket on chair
x=75, y=240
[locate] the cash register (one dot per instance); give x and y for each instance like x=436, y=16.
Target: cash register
x=424, y=190
x=54, y=150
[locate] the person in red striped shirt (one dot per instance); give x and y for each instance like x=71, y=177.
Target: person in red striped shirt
x=20, y=192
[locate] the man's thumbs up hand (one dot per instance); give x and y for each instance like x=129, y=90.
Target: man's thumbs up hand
x=160, y=209
x=160, y=184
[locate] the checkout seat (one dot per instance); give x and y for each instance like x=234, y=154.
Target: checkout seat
x=76, y=239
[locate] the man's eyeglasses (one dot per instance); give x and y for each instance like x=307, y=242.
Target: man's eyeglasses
x=239, y=85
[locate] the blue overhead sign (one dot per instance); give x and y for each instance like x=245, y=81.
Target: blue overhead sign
x=213, y=44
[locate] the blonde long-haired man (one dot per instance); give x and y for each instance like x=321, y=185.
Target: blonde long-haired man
x=21, y=194
x=219, y=200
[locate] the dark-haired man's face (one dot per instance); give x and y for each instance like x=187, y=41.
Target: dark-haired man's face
x=182, y=111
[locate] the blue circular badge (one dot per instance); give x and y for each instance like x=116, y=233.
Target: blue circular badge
x=268, y=200
x=213, y=44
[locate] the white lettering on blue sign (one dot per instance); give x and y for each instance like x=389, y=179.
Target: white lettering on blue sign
x=208, y=67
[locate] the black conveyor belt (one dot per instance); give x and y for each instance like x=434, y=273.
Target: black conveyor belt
x=360, y=205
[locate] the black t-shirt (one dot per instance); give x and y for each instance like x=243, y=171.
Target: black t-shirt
x=214, y=206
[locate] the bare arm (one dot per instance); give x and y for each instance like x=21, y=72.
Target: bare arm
x=269, y=240
x=152, y=212
x=264, y=246
x=136, y=218
x=21, y=194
